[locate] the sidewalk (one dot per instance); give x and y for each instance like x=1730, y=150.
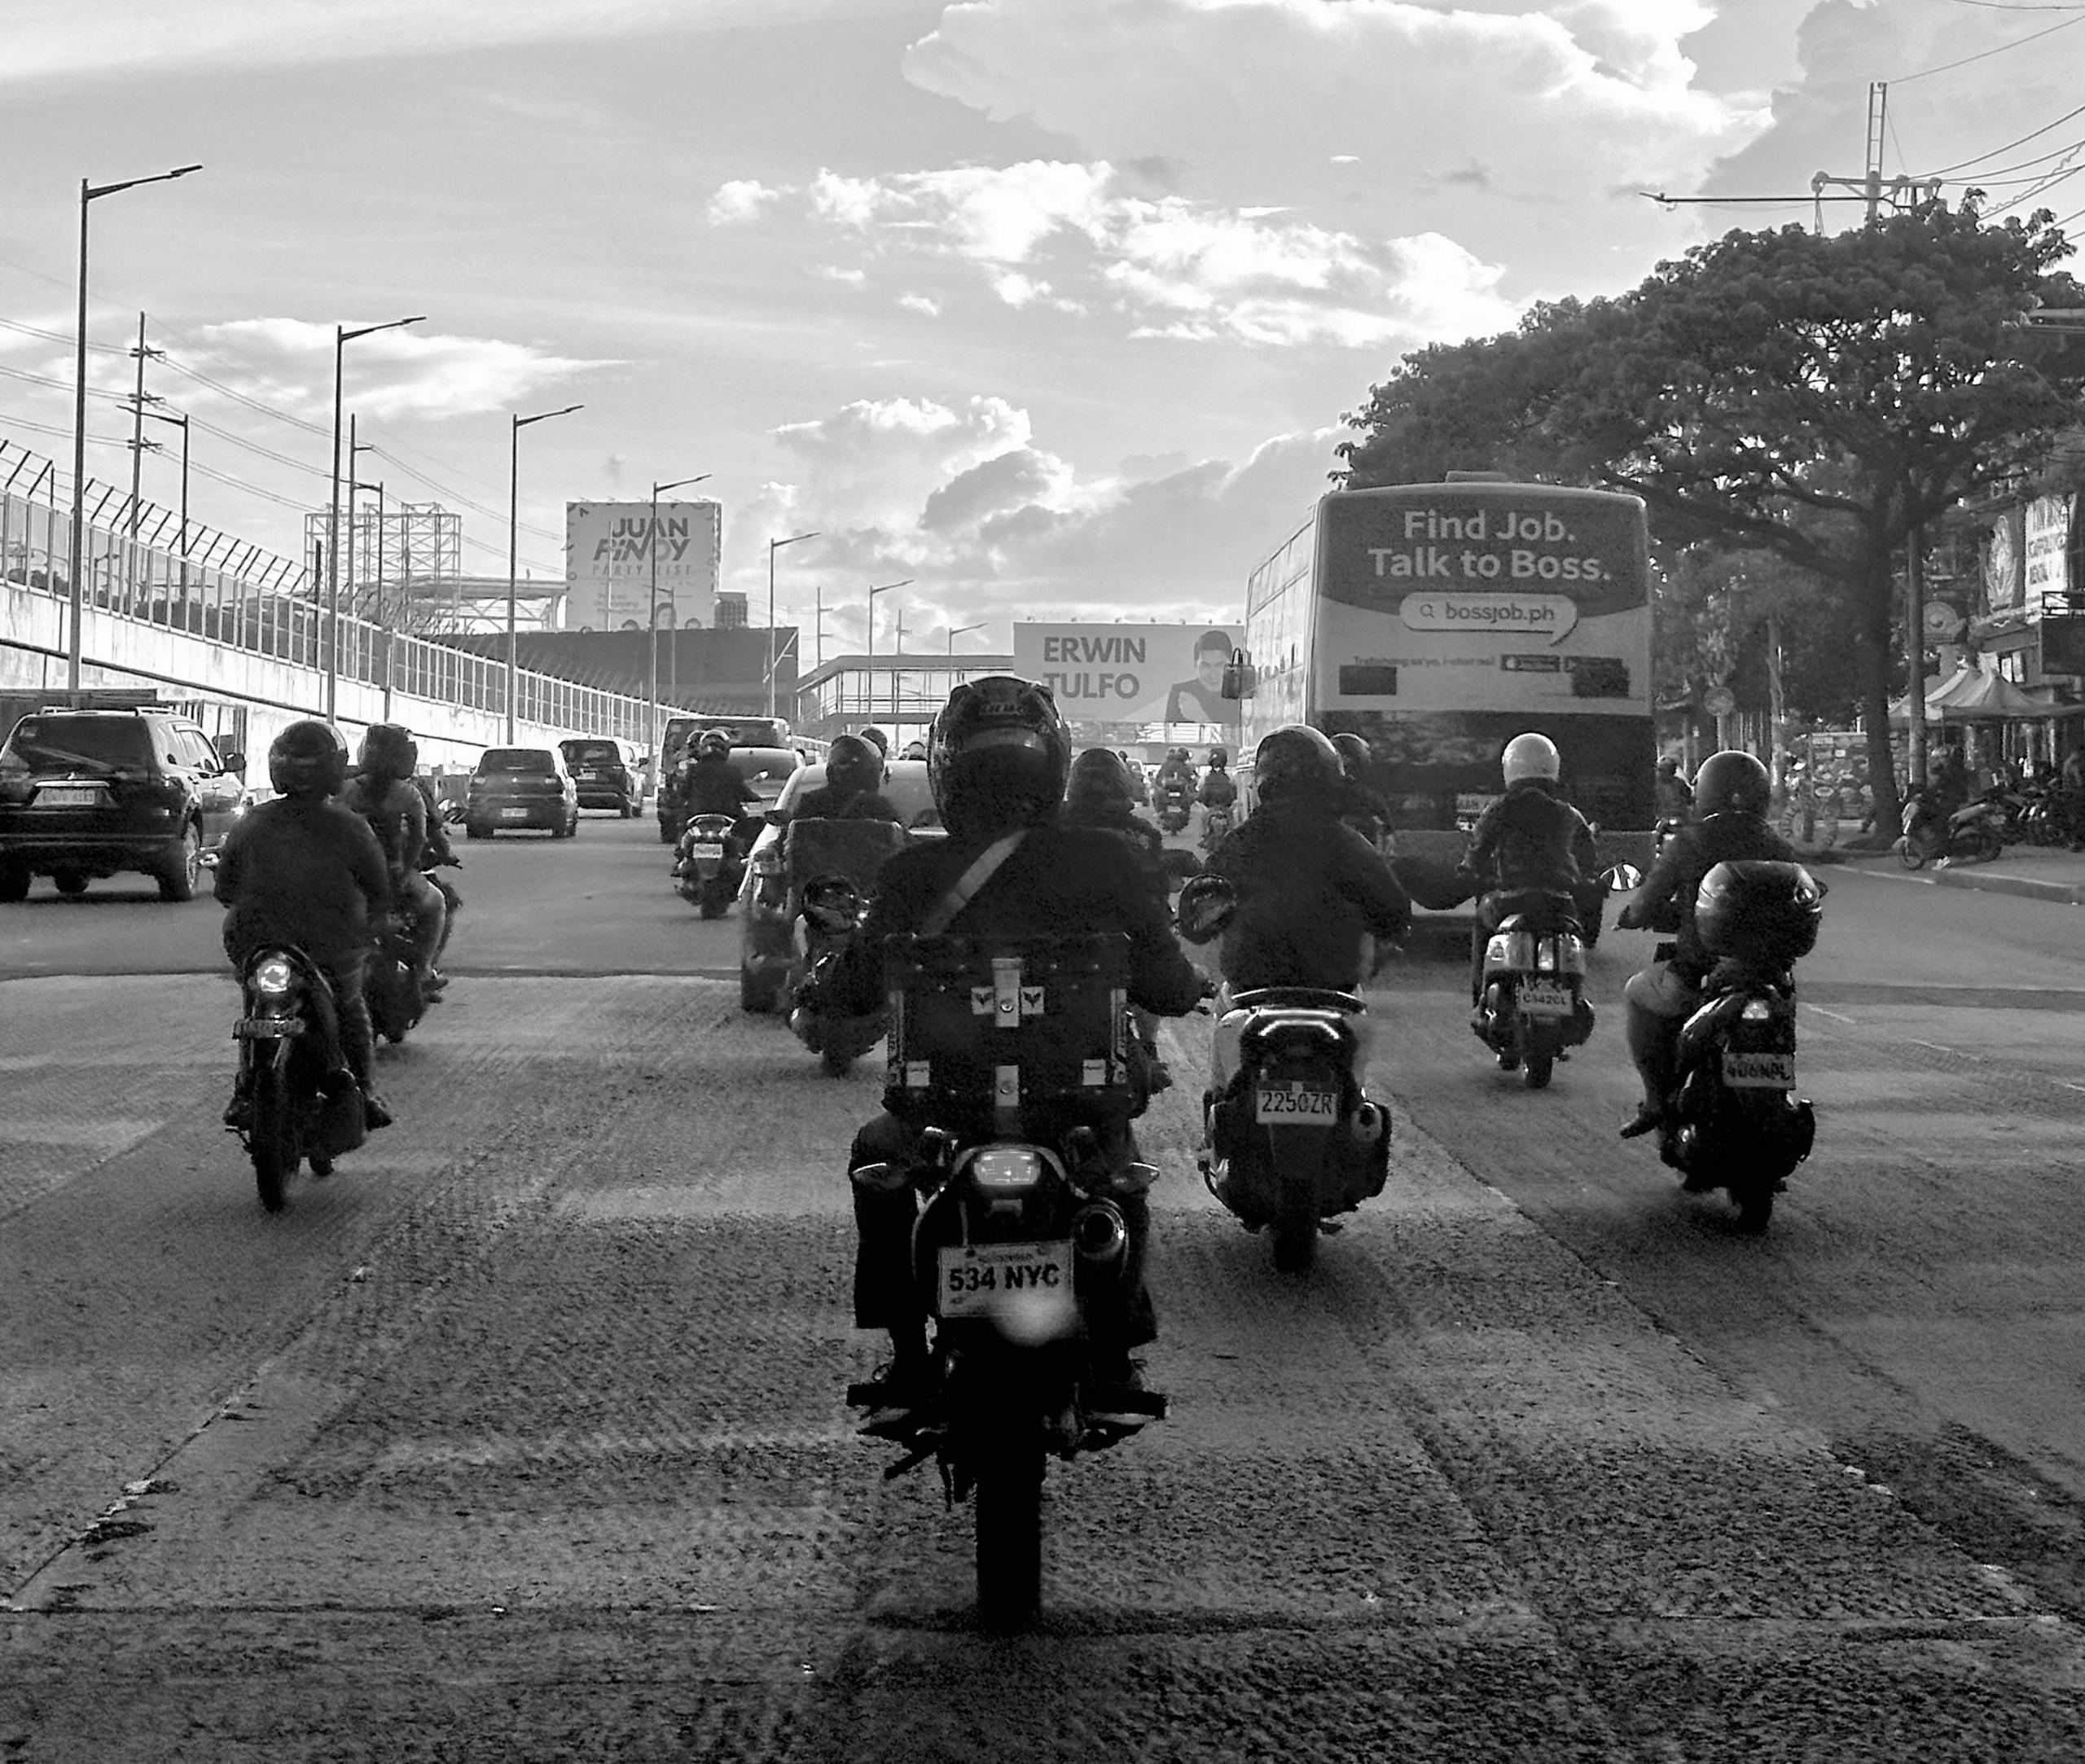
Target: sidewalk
x=2039, y=872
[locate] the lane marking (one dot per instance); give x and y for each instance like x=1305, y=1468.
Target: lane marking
x=1834, y=1015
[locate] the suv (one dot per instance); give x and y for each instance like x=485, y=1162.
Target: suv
x=605, y=771
x=86, y=793
x=521, y=786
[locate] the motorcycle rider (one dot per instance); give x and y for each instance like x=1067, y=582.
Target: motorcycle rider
x=852, y=790
x=999, y=760
x=383, y=794
x=1218, y=788
x=1530, y=838
x=1098, y=795
x=1312, y=892
x=1174, y=788
x=1731, y=793
x=709, y=784
x=303, y=870
x=1367, y=812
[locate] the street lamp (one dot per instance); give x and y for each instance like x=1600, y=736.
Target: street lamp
x=162, y=416
x=653, y=543
x=514, y=541
x=773, y=660
x=342, y=337
x=958, y=632
x=88, y=192
x=390, y=635
x=869, y=688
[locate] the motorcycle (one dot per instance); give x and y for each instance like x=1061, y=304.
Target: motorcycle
x=1532, y=1005
x=1289, y=1139
x=298, y=1100
x=1175, y=807
x=1733, y=1118
x=1020, y=1228
x=1216, y=826
x=832, y=867
x=709, y=863
x=1971, y=834
x=391, y=980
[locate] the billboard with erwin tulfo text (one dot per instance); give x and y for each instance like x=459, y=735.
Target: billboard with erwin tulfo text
x=1142, y=673
x=614, y=551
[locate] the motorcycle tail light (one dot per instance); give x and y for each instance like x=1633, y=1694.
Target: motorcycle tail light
x=1520, y=950
x=1570, y=956
x=1006, y=1169
x=1759, y=1010
x=1545, y=956
x=1497, y=953
x=274, y=976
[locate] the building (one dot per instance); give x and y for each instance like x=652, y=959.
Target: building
x=719, y=670
x=900, y=694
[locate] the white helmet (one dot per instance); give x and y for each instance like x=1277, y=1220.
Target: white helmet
x=1529, y=756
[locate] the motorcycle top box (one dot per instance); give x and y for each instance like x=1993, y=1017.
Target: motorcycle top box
x=1758, y=911
x=1045, y=1027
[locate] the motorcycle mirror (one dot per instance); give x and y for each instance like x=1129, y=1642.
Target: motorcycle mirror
x=1622, y=878
x=1207, y=905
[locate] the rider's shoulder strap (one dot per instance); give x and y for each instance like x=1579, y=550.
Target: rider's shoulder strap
x=982, y=869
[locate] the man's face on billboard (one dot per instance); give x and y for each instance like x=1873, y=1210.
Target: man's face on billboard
x=1209, y=663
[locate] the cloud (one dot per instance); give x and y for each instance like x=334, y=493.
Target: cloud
x=920, y=303
x=288, y=363
x=739, y=202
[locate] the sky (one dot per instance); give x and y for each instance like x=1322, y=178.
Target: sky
x=1052, y=309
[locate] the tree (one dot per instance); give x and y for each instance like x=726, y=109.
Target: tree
x=1823, y=398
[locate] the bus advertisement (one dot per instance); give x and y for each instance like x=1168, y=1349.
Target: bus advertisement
x=1439, y=621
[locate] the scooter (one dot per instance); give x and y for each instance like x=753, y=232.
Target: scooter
x=1971, y=833
x=1019, y=1229
x=1175, y=807
x=708, y=864
x=1216, y=826
x=297, y=1101
x=833, y=912
x=1532, y=1005
x=1290, y=1140
x=1733, y=1120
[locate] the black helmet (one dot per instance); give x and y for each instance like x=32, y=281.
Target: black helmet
x=1098, y=777
x=1731, y=783
x=389, y=751
x=852, y=764
x=1355, y=755
x=877, y=739
x=999, y=756
x=309, y=758
x=714, y=744
x=1179, y=755
x=1295, y=761
x=1218, y=756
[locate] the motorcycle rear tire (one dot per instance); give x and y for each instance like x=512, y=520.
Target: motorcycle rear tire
x=711, y=908
x=834, y=1062
x=1911, y=852
x=1009, y=1504
x=1755, y=1209
x=1538, y=1066
x=1296, y=1227
x=271, y=1141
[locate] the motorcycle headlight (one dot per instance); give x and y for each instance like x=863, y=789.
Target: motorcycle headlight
x=274, y=976
x=1006, y=1169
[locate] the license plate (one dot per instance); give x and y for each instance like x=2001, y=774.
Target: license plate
x=1758, y=1072
x=68, y=796
x=265, y=1028
x=514, y=814
x=1296, y=1105
x=976, y=1279
x=708, y=851
x=1545, y=998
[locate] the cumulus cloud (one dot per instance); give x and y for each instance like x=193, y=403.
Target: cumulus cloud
x=739, y=201
x=288, y=363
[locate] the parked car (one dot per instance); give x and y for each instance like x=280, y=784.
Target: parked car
x=767, y=935
x=87, y=794
x=608, y=773
x=521, y=787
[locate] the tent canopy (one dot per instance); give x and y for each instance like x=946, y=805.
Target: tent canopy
x=1970, y=695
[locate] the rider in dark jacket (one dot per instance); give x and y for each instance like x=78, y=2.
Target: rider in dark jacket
x=384, y=794
x=999, y=760
x=1312, y=892
x=709, y=783
x=1366, y=811
x=852, y=790
x=1731, y=793
x=1530, y=839
x=303, y=871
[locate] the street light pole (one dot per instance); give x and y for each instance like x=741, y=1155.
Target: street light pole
x=162, y=416
x=958, y=632
x=773, y=660
x=514, y=541
x=652, y=619
x=88, y=192
x=869, y=683
x=342, y=337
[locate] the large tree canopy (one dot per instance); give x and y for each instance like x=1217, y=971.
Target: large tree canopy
x=1822, y=398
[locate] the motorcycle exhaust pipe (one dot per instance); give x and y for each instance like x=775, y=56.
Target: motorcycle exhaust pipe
x=1099, y=1236
x=1371, y=1123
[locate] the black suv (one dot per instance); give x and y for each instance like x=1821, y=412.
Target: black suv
x=86, y=793
x=603, y=772
x=518, y=787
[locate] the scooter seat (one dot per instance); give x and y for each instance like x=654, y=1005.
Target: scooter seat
x=1295, y=998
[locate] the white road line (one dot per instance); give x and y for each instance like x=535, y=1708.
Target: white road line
x=1821, y=1010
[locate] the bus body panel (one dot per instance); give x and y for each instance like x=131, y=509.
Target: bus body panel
x=1439, y=621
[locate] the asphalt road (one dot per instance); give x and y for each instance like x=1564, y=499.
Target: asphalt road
x=521, y=1436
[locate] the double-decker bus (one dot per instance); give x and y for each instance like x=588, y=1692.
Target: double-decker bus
x=1438, y=621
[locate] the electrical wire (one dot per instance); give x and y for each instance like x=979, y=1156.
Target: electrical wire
x=2021, y=141
x=1906, y=79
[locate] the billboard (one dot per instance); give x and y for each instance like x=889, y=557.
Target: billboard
x=2047, y=532
x=611, y=550
x=1106, y=673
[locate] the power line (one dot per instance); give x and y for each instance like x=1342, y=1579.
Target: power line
x=1961, y=164
x=1906, y=79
